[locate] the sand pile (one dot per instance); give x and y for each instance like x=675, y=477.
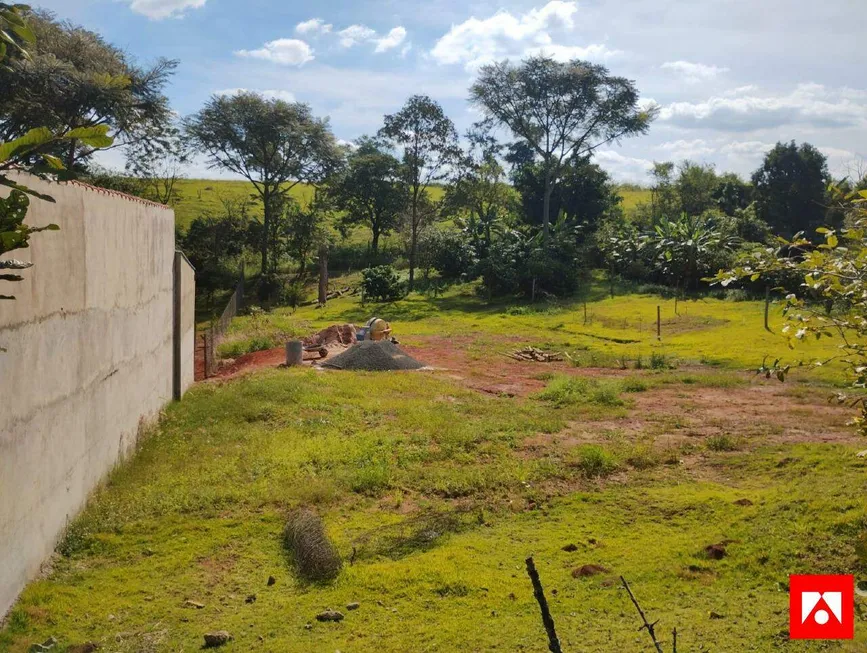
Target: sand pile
x=375, y=356
x=336, y=334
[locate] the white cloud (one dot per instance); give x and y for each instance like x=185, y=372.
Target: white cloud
x=289, y=52
x=391, y=40
x=271, y=94
x=693, y=73
x=742, y=90
x=809, y=104
x=355, y=34
x=476, y=42
x=313, y=26
x=683, y=149
x=623, y=168
x=159, y=9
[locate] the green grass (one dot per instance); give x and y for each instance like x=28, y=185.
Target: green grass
x=620, y=332
x=435, y=494
x=631, y=198
x=426, y=483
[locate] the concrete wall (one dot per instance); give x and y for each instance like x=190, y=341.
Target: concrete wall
x=185, y=324
x=90, y=358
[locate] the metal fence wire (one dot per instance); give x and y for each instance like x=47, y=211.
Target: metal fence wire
x=218, y=329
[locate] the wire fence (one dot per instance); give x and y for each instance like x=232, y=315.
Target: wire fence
x=218, y=329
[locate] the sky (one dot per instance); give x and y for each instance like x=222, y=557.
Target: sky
x=731, y=77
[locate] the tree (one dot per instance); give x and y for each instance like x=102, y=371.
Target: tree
x=480, y=198
x=159, y=167
x=273, y=144
x=732, y=194
x=790, y=188
x=370, y=190
x=72, y=80
x=696, y=185
x=305, y=229
x=562, y=110
x=430, y=147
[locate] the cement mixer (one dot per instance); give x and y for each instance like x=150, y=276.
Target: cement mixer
x=375, y=329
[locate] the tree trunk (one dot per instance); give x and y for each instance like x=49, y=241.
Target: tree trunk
x=546, y=206
x=413, y=239
x=70, y=156
x=375, y=244
x=323, y=274
x=266, y=227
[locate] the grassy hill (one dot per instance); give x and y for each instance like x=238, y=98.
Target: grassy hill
x=198, y=196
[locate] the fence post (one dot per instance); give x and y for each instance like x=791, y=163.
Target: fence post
x=658, y=323
x=767, y=304
x=241, y=284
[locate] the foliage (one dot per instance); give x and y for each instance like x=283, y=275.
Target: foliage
x=304, y=228
x=381, y=283
x=15, y=35
x=835, y=273
x=686, y=249
x=790, y=188
x=370, y=190
x=273, y=144
x=560, y=110
x=479, y=198
x=430, y=149
x=14, y=234
x=72, y=80
x=159, y=166
x=448, y=252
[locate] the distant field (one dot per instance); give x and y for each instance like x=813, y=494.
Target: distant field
x=200, y=196
x=631, y=198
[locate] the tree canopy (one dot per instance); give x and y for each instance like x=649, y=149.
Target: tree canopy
x=561, y=110
x=273, y=144
x=73, y=79
x=790, y=188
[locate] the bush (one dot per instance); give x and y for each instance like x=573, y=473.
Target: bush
x=293, y=294
x=566, y=390
x=381, y=283
x=314, y=554
x=448, y=252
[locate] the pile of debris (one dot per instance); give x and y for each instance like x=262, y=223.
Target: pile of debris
x=536, y=355
x=336, y=335
x=376, y=356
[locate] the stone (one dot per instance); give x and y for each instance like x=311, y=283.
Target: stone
x=569, y=548
x=193, y=604
x=716, y=551
x=353, y=606
x=250, y=599
x=743, y=502
x=716, y=615
x=271, y=580
x=217, y=638
x=47, y=645
x=329, y=615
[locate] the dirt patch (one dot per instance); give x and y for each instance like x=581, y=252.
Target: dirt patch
x=337, y=334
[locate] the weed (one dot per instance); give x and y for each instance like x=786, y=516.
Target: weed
x=634, y=384
x=723, y=442
x=659, y=361
x=566, y=390
x=595, y=461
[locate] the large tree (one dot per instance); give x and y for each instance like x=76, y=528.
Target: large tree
x=562, y=110
x=430, y=148
x=73, y=79
x=273, y=144
x=370, y=189
x=790, y=188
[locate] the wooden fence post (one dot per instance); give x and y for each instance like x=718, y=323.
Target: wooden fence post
x=767, y=304
x=658, y=323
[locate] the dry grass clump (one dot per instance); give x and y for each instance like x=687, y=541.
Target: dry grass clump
x=314, y=553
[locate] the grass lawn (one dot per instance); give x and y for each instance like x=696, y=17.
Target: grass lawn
x=435, y=491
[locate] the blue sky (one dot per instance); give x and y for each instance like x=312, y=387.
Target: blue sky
x=731, y=77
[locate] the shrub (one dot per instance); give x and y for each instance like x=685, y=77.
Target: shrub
x=596, y=462
x=381, y=283
x=293, y=294
x=659, y=361
x=449, y=253
x=315, y=556
x=634, y=385
x=564, y=391
x=723, y=442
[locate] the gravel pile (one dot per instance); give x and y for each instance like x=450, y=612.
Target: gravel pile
x=375, y=356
